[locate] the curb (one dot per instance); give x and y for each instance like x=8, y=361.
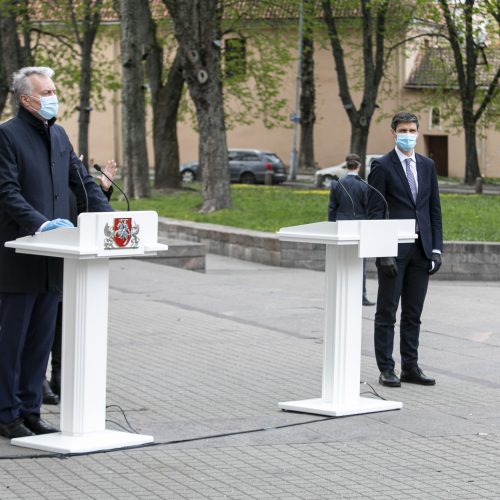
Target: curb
x=467, y=261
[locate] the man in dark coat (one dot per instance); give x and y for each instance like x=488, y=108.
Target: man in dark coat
x=348, y=199
x=38, y=168
x=408, y=181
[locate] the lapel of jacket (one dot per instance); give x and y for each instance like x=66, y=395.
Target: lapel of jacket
x=399, y=169
x=422, y=179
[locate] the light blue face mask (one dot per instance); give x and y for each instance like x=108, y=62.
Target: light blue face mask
x=49, y=106
x=406, y=142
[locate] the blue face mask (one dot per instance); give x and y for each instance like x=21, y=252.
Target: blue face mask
x=406, y=142
x=49, y=106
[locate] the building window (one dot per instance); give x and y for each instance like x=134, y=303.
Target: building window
x=435, y=118
x=235, y=57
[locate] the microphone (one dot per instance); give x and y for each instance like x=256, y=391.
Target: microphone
x=99, y=169
x=83, y=186
x=347, y=193
x=378, y=192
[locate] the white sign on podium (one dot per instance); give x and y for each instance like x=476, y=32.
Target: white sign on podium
x=86, y=251
x=347, y=243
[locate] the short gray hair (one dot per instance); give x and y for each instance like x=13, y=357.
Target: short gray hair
x=21, y=84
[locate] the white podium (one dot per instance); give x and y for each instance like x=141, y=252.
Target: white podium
x=347, y=243
x=86, y=251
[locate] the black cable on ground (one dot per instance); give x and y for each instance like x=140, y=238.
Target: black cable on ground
x=175, y=441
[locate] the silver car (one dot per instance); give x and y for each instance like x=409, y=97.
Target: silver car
x=338, y=171
x=248, y=166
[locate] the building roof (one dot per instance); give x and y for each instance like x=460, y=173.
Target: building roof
x=246, y=10
x=435, y=67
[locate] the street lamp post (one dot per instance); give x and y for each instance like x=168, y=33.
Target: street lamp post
x=295, y=116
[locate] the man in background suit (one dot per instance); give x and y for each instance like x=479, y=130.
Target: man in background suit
x=408, y=181
x=348, y=201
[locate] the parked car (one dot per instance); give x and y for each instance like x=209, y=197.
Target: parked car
x=248, y=166
x=340, y=170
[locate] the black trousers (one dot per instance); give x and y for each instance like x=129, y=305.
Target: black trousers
x=27, y=323
x=410, y=285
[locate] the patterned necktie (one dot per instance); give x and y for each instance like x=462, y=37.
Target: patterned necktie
x=411, y=179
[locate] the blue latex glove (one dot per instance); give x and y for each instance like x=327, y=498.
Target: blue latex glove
x=57, y=223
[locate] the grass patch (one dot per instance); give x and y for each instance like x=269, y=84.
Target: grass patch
x=268, y=208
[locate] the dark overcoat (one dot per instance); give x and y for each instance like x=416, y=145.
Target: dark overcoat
x=388, y=176
x=38, y=169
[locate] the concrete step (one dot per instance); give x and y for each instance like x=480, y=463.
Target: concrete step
x=184, y=254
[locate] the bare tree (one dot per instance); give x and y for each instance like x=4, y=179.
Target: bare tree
x=467, y=54
x=13, y=54
x=373, y=19
x=308, y=92
x=165, y=99
x=4, y=79
x=85, y=31
x=74, y=34
x=135, y=154
x=196, y=25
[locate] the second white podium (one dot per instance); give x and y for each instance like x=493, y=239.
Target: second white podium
x=347, y=243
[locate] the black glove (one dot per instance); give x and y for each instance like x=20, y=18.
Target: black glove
x=388, y=266
x=435, y=263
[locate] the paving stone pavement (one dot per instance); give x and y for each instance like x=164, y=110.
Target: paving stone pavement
x=200, y=361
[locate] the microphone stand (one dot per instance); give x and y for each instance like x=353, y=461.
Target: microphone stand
x=386, y=216
x=99, y=169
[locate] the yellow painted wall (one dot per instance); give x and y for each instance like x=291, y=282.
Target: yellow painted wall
x=332, y=131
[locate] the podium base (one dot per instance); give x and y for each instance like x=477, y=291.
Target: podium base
x=320, y=407
x=92, y=441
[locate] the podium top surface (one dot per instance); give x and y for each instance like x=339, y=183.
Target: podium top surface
x=376, y=238
x=98, y=235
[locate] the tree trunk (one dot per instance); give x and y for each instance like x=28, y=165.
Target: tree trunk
x=196, y=28
x=359, y=143
x=165, y=99
x=84, y=105
x=166, y=144
x=12, y=56
x=4, y=82
x=135, y=155
x=307, y=95
x=213, y=147
x=85, y=33
x=373, y=34
x=465, y=59
x=471, y=158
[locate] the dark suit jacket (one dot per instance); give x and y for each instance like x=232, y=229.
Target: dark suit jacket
x=37, y=171
x=340, y=206
x=388, y=176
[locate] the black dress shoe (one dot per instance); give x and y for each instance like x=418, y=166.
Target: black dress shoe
x=367, y=302
x=48, y=396
x=416, y=376
x=38, y=425
x=15, y=429
x=389, y=379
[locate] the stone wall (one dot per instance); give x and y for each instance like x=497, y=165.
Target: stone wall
x=461, y=260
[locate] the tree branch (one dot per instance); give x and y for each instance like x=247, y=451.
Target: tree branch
x=490, y=93
x=74, y=22
x=379, y=43
x=338, y=55
x=63, y=39
x=455, y=45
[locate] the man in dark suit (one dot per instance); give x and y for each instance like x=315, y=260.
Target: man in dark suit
x=38, y=168
x=408, y=181
x=348, y=198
